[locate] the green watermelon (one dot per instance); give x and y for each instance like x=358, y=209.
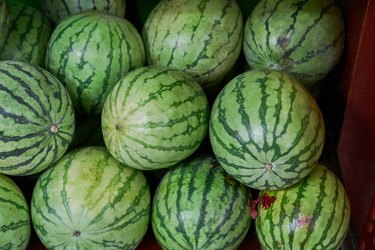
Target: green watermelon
x=203, y=38
x=312, y=214
x=15, y=223
x=154, y=118
x=198, y=206
x=36, y=118
x=4, y=21
x=266, y=129
x=90, y=52
x=303, y=38
x=88, y=200
x=28, y=35
x=56, y=11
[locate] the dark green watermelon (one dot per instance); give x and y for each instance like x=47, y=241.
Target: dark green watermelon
x=36, y=118
x=197, y=205
x=266, y=129
x=28, y=35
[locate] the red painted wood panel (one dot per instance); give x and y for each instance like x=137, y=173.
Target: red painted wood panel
x=356, y=149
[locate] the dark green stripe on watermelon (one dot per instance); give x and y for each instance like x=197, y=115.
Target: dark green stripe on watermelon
x=154, y=118
x=4, y=21
x=266, y=129
x=28, y=35
x=36, y=118
x=56, y=11
x=89, y=53
x=312, y=214
x=100, y=203
x=15, y=227
x=303, y=38
x=197, y=206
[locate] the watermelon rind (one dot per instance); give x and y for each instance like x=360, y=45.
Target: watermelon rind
x=36, y=118
x=197, y=205
x=154, y=118
x=202, y=38
x=90, y=52
x=15, y=222
x=89, y=200
x=28, y=35
x=57, y=11
x=303, y=38
x=312, y=214
x=266, y=129
x=4, y=21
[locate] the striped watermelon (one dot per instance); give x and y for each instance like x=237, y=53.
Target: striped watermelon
x=89, y=52
x=303, y=38
x=266, y=129
x=4, y=21
x=88, y=200
x=154, y=117
x=203, y=38
x=15, y=224
x=36, y=118
x=312, y=214
x=28, y=35
x=56, y=11
x=198, y=206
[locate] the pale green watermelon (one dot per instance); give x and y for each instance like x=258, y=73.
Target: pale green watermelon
x=88, y=200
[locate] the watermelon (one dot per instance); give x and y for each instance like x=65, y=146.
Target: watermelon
x=312, y=214
x=28, y=35
x=266, y=129
x=155, y=117
x=88, y=200
x=36, y=118
x=90, y=52
x=203, y=38
x=198, y=206
x=303, y=38
x=4, y=21
x=15, y=223
x=56, y=11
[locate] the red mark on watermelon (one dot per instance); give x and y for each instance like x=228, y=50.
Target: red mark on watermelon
x=303, y=221
x=265, y=201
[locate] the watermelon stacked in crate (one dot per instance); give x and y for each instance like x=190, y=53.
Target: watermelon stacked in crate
x=188, y=124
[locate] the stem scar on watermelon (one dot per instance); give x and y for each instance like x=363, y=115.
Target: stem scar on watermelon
x=77, y=233
x=265, y=201
x=54, y=129
x=268, y=166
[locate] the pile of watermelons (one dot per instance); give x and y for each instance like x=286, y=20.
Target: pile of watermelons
x=194, y=120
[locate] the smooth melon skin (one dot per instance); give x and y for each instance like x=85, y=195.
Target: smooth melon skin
x=28, y=35
x=302, y=38
x=312, y=214
x=4, y=21
x=266, y=129
x=202, y=38
x=15, y=222
x=154, y=118
x=56, y=11
x=89, y=200
x=197, y=205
